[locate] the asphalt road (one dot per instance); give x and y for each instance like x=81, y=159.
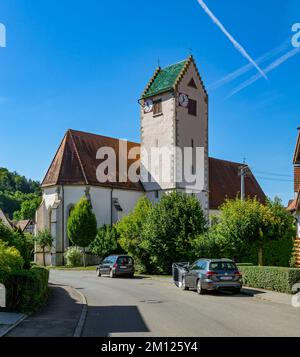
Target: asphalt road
x=150, y=307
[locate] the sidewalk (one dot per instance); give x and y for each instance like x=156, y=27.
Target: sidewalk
x=268, y=295
x=59, y=318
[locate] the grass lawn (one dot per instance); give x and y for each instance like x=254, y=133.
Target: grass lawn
x=70, y=268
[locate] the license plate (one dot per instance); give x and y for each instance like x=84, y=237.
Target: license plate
x=226, y=278
x=123, y=267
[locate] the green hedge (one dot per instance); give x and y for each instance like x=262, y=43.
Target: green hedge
x=244, y=264
x=270, y=278
x=27, y=290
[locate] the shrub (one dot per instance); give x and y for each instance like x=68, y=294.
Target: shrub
x=27, y=290
x=73, y=256
x=270, y=278
x=15, y=238
x=10, y=258
x=106, y=242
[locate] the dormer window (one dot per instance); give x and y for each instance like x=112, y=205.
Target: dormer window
x=157, y=107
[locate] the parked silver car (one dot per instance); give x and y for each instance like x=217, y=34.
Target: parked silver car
x=208, y=274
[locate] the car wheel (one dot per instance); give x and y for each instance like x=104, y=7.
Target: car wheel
x=200, y=291
x=131, y=276
x=112, y=274
x=183, y=284
x=237, y=291
x=98, y=273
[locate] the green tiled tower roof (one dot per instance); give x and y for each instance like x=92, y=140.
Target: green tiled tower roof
x=164, y=79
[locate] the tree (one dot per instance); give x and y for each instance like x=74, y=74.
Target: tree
x=28, y=209
x=130, y=230
x=171, y=229
x=248, y=226
x=106, y=242
x=44, y=240
x=14, y=190
x=82, y=225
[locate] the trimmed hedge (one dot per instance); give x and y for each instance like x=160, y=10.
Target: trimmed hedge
x=270, y=278
x=244, y=264
x=27, y=290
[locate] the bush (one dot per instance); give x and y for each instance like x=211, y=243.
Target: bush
x=10, y=258
x=270, y=278
x=15, y=238
x=73, y=256
x=27, y=290
x=106, y=242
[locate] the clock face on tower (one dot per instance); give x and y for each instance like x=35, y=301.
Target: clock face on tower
x=183, y=100
x=148, y=106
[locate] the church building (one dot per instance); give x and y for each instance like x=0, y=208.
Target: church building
x=174, y=124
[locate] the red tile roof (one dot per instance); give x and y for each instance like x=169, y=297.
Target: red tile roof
x=75, y=163
x=225, y=182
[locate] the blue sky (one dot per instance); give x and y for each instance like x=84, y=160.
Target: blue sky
x=83, y=65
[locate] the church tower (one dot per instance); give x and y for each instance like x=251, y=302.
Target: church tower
x=174, y=133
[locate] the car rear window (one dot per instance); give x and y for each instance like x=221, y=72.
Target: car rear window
x=222, y=266
x=124, y=260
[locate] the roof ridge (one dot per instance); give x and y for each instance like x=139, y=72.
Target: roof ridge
x=63, y=141
x=78, y=156
x=102, y=136
x=174, y=64
x=232, y=162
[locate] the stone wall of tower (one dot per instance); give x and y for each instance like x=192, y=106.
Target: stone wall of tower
x=158, y=132
x=192, y=129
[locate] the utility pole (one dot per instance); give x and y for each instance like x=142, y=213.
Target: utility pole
x=243, y=172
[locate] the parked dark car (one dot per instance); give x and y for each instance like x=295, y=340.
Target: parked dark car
x=116, y=265
x=208, y=274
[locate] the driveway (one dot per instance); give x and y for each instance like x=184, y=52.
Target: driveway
x=156, y=307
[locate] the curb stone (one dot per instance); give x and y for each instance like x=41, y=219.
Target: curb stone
x=81, y=321
x=11, y=327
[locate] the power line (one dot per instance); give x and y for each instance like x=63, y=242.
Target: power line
x=272, y=174
x=273, y=179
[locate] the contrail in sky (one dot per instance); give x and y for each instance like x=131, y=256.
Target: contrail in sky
x=239, y=72
x=231, y=39
x=268, y=69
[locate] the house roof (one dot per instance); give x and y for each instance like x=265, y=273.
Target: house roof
x=225, y=182
x=296, y=159
x=75, y=163
x=22, y=225
x=5, y=220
